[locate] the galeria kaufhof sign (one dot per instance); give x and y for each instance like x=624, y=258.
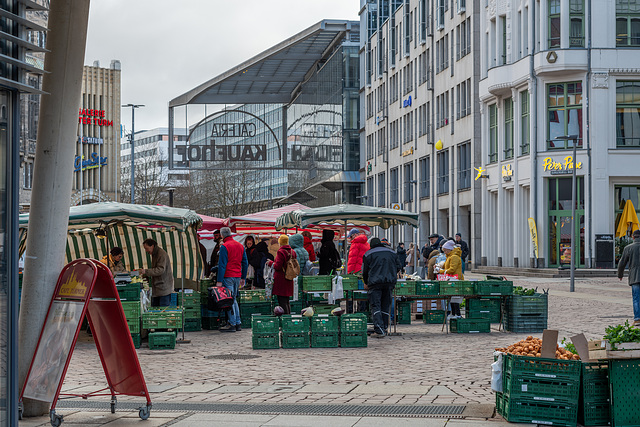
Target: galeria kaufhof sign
x=220, y=141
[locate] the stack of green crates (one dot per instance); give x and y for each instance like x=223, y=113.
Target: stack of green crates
x=129, y=291
x=265, y=332
x=132, y=312
x=162, y=319
x=247, y=309
x=537, y=390
x=190, y=301
x=593, y=409
x=433, y=316
x=353, y=330
x=527, y=313
x=324, y=331
x=210, y=319
x=493, y=287
x=459, y=287
x=295, y=331
x=404, y=313
x=624, y=377
x=470, y=326
x=484, y=308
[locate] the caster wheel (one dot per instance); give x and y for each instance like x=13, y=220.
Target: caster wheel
x=55, y=419
x=144, y=413
x=113, y=405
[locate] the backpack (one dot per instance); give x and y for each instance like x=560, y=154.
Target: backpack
x=219, y=298
x=292, y=267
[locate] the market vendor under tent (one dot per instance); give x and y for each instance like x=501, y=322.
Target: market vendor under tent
x=114, y=261
x=161, y=274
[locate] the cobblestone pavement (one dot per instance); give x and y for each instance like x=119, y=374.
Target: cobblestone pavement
x=423, y=366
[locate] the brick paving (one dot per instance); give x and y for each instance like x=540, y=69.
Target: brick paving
x=422, y=366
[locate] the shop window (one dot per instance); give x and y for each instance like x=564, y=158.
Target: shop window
x=627, y=23
x=508, y=128
x=554, y=23
x=628, y=114
x=564, y=111
x=493, y=133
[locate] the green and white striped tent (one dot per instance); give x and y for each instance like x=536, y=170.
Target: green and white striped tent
x=128, y=226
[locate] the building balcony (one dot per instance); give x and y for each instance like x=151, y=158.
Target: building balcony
x=561, y=61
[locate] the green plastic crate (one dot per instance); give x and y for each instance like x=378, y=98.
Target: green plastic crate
x=526, y=324
x=193, y=325
x=404, y=313
x=528, y=304
x=263, y=324
x=324, y=340
x=493, y=288
x=192, y=313
x=189, y=299
x=324, y=308
x=456, y=288
x=433, y=317
x=294, y=324
x=129, y=292
x=252, y=295
x=594, y=414
x=296, y=306
x=353, y=323
x=405, y=287
x=491, y=315
x=132, y=309
x=159, y=318
x=428, y=288
x=210, y=323
x=595, y=382
x=469, y=326
x=325, y=324
x=205, y=284
x=542, y=367
x=484, y=303
x=295, y=340
x=527, y=386
x=265, y=341
x=624, y=377
x=350, y=282
x=360, y=295
x=351, y=339
x=162, y=340
x=134, y=325
x=536, y=412
x=316, y=283
x=137, y=340
x=247, y=309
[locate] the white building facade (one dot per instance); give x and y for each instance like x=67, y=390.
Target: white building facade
x=554, y=69
x=421, y=138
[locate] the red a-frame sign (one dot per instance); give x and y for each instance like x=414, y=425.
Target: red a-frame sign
x=85, y=287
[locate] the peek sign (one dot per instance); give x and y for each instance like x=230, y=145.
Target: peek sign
x=564, y=167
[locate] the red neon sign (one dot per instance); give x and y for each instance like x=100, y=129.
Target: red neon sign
x=93, y=117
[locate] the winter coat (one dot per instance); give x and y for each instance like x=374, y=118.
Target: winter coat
x=434, y=247
x=328, y=255
x=380, y=267
x=359, y=247
x=297, y=244
x=409, y=260
x=262, y=250
x=308, y=245
x=233, y=260
x=281, y=286
x=253, y=256
x=464, y=247
x=631, y=255
x=453, y=264
x=433, y=259
x=160, y=273
x=402, y=256
x=115, y=267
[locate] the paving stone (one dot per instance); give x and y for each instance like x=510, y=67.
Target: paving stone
x=386, y=390
x=151, y=422
x=233, y=389
x=161, y=388
x=312, y=421
x=275, y=389
x=439, y=390
x=400, y=422
x=327, y=388
x=196, y=388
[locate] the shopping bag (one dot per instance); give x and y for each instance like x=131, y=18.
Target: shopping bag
x=337, y=291
x=496, y=374
x=219, y=298
x=268, y=280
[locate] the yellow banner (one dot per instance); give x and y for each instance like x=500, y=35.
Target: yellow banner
x=534, y=236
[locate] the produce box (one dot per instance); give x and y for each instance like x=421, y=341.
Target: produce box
x=526, y=323
x=350, y=282
x=129, y=292
x=404, y=313
x=360, y=295
x=174, y=299
x=324, y=308
x=491, y=315
x=316, y=283
x=265, y=341
x=527, y=304
x=525, y=386
x=594, y=414
x=132, y=309
x=594, y=406
x=456, y=288
x=263, y=324
x=247, y=309
x=542, y=367
x=433, y=316
x=324, y=339
x=484, y=303
x=624, y=377
x=428, y=288
x=291, y=340
x=193, y=325
x=296, y=306
x=162, y=318
x=255, y=295
x=353, y=323
x=536, y=412
x=134, y=325
x=358, y=339
x=405, y=287
x=469, y=326
x=602, y=349
x=493, y=288
x=205, y=312
x=324, y=324
x=162, y=340
x=192, y=313
x=189, y=299
x=205, y=284
x=294, y=324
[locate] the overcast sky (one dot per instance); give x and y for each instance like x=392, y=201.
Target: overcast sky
x=168, y=47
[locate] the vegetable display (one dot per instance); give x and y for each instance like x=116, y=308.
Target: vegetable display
x=531, y=347
x=519, y=290
x=621, y=334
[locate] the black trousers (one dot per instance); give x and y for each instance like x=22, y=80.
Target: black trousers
x=380, y=302
x=284, y=303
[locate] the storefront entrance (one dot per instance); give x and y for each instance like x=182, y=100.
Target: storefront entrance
x=561, y=224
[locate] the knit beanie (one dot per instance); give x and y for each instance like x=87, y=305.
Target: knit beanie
x=449, y=245
x=283, y=240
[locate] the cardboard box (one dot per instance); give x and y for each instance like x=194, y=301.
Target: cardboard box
x=601, y=349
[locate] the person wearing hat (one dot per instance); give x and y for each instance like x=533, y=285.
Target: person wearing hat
x=464, y=247
x=380, y=269
x=359, y=246
x=434, y=245
x=283, y=287
x=453, y=266
x=232, y=273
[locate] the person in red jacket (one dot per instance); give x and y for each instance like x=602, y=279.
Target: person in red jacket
x=232, y=272
x=359, y=246
x=282, y=287
x=308, y=245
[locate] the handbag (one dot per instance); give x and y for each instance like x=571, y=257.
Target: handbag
x=251, y=272
x=219, y=298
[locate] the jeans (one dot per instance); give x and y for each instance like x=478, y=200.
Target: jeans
x=635, y=294
x=163, y=301
x=380, y=301
x=464, y=265
x=232, y=284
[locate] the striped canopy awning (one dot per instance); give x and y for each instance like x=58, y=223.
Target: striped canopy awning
x=174, y=230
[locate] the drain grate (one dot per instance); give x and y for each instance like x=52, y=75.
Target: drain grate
x=232, y=356
x=426, y=411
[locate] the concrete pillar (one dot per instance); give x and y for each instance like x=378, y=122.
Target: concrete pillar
x=500, y=232
x=53, y=176
x=517, y=139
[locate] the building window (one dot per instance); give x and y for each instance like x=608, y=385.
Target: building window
x=408, y=186
x=508, y=128
x=464, y=166
x=493, y=133
x=393, y=186
x=461, y=6
x=564, y=111
x=576, y=17
x=440, y=14
x=443, y=171
x=524, y=123
x=423, y=21
x=628, y=113
x=369, y=64
x=28, y=175
x=382, y=141
x=381, y=187
x=407, y=29
x=463, y=42
x=463, y=102
x=369, y=197
x=622, y=194
x=369, y=146
x=554, y=23
x=425, y=177
x=627, y=23
x=503, y=22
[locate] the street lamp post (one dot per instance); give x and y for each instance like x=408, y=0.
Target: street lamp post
x=573, y=138
x=133, y=133
x=416, y=246
x=171, y=190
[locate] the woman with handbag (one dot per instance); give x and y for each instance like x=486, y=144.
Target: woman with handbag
x=283, y=287
x=328, y=256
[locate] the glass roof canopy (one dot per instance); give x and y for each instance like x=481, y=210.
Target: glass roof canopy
x=275, y=75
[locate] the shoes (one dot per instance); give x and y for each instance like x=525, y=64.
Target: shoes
x=238, y=328
x=636, y=323
x=230, y=328
x=377, y=335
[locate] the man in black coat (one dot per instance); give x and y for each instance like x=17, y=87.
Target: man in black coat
x=465, y=250
x=402, y=255
x=380, y=273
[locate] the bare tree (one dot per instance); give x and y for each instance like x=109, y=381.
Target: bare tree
x=151, y=180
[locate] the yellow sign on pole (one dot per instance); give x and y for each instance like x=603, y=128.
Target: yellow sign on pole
x=534, y=236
